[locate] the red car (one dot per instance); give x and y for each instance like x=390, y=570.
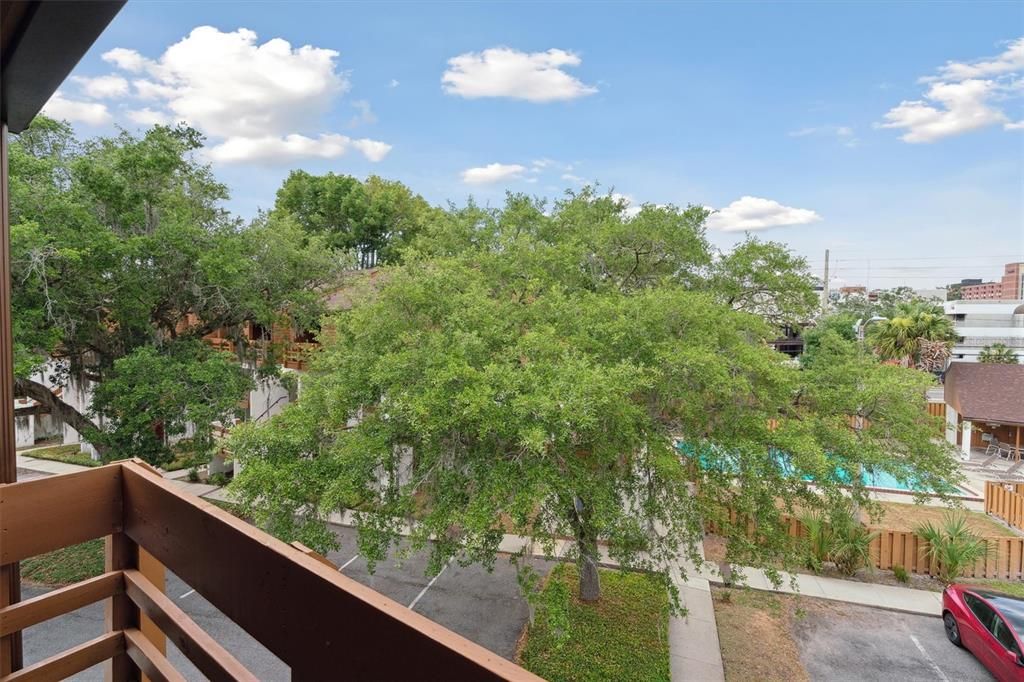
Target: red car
x=990, y=625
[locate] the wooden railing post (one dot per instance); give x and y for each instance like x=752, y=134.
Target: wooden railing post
x=121, y=612
x=10, y=578
x=120, y=554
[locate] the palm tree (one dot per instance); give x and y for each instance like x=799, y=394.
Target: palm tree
x=894, y=339
x=902, y=337
x=998, y=353
x=933, y=326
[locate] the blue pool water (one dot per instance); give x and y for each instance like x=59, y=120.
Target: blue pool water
x=875, y=478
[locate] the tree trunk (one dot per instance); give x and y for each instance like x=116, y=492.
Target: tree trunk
x=590, y=579
x=26, y=388
x=586, y=542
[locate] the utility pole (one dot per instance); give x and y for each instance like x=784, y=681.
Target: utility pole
x=824, y=291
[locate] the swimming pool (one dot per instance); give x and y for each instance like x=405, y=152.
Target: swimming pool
x=871, y=478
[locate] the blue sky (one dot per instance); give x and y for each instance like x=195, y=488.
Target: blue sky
x=773, y=113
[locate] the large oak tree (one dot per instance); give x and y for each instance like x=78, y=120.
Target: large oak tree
x=568, y=371
x=123, y=257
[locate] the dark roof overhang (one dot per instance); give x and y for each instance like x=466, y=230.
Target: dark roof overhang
x=40, y=43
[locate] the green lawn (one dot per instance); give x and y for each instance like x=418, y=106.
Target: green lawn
x=65, y=566
x=1009, y=587
x=69, y=454
x=622, y=637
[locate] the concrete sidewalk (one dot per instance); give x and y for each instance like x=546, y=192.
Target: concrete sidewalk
x=904, y=599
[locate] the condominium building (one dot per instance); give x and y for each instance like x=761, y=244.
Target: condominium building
x=982, y=323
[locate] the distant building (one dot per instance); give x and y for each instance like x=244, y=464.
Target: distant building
x=1009, y=288
x=982, y=323
x=953, y=291
x=853, y=291
x=931, y=294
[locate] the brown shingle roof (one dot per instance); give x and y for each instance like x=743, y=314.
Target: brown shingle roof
x=986, y=392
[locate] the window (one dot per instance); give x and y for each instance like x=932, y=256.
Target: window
x=981, y=610
x=1004, y=635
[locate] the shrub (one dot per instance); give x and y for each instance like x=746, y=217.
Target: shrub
x=218, y=479
x=193, y=475
x=819, y=539
x=952, y=545
x=851, y=544
x=900, y=573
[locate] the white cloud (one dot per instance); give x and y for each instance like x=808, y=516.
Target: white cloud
x=365, y=115
x=1011, y=60
x=290, y=147
x=1014, y=125
x=129, y=60
x=951, y=109
x=102, y=87
x=569, y=177
x=256, y=101
x=754, y=213
x=493, y=172
x=962, y=97
x=147, y=89
x=374, y=150
x=75, y=111
x=504, y=72
x=394, y=83
x=148, y=117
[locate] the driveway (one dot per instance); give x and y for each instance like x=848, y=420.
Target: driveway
x=484, y=607
x=844, y=642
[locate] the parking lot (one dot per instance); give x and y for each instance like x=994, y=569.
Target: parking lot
x=848, y=643
x=485, y=607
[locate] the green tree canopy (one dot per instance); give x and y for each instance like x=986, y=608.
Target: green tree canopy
x=121, y=252
x=527, y=371
x=374, y=219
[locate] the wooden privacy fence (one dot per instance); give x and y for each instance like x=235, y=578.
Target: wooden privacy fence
x=1005, y=560
x=1005, y=501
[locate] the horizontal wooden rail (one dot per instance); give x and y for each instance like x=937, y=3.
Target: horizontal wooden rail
x=148, y=658
x=308, y=614
x=209, y=657
x=59, y=602
x=45, y=514
x=72, y=661
x=288, y=598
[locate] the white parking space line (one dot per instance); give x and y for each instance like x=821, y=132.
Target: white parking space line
x=345, y=565
x=429, y=585
x=190, y=592
x=932, y=663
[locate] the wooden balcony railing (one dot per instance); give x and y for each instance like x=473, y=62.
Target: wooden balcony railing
x=292, y=601
x=294, y=355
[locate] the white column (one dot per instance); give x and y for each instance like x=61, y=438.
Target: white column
x=951, y=424
x=965, y=440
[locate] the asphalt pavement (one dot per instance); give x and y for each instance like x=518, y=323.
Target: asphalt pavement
x=850, y=643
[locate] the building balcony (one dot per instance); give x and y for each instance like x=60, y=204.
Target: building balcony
x=288, y=598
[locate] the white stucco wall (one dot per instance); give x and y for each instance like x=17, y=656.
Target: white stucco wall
x=24, y=431
x=268, y=399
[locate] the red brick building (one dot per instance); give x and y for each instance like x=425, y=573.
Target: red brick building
x=1009, y=288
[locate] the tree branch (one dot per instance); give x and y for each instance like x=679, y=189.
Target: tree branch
x=27, y=388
